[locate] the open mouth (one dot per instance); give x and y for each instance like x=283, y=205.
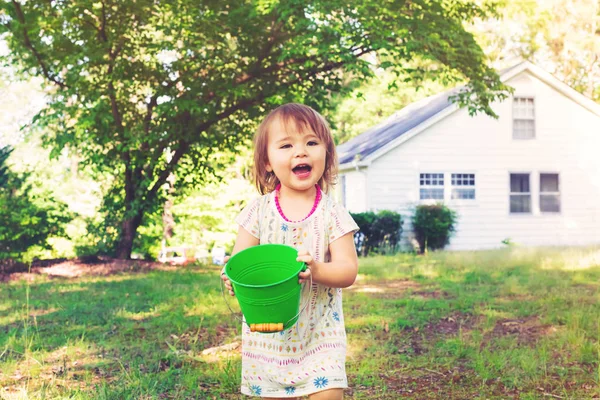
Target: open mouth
x=302, y=170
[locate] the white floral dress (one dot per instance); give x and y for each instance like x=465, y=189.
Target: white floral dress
x=310, y=356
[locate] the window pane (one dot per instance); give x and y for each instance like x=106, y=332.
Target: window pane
x=523, y=118
x=519, y=183
x=463, y=179
x=463, y=194
x=530, y=112
x=549, y=183
x=523, y=129
x=431, y=179
x=550, y=203
x=432, y=194
x=520, y=203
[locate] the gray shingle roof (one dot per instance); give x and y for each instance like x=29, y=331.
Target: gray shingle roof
x=400, y=123
x=395, y=126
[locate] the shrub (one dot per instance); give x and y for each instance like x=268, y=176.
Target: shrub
x=379, y=232
x=433, y=225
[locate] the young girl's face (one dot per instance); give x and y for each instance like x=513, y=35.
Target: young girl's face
x=296, y=157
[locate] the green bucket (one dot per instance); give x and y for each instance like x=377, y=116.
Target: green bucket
x=265, y=282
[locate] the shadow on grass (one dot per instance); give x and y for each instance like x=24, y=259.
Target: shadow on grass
x=504, y=324
x=118, y=327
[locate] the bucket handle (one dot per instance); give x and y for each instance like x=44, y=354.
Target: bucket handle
x=267, y=327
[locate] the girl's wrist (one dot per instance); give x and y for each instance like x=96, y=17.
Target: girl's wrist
x=314, y=270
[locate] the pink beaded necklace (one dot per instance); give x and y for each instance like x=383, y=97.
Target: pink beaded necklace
x=312, y=210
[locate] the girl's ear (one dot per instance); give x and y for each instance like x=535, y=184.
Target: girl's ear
x=268, y=167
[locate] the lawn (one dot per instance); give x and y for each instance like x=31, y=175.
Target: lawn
x=513, y=323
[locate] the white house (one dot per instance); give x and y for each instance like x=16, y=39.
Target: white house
x=531, y=176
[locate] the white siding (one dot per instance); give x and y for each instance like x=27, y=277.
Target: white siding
x=567, y=142
x=355, y=199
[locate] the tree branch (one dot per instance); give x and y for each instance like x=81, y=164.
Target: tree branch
x=247, y=102
x=243, y=104
x=103, y=25
x=170, y=167
x=21, y=17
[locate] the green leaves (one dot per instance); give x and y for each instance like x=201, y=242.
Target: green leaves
x=433, y=225
x=27, y=218
x=135, y=78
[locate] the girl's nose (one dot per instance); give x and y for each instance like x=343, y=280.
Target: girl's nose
x=300, y=151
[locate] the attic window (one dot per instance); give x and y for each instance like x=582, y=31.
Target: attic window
x=523, y=118
x=431, y=186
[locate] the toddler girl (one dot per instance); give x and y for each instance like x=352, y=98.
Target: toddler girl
x=295, y=165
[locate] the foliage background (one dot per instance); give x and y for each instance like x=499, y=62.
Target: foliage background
x=561, y=36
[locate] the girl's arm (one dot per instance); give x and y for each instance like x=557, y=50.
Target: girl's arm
x=341, y=271
x=243, y=241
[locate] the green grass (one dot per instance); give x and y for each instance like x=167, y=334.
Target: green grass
x=513, y=323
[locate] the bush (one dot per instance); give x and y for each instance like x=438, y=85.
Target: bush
x=433, y=225
x=28, y=216
x=379, y=233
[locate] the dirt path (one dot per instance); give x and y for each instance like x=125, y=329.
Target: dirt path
x=75, y=268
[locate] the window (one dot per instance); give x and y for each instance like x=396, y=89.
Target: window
x=523, y=118
x=520, y=193
x=432, y=186
x=549, y=193
x=463, y=186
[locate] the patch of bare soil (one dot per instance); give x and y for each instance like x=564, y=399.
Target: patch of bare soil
x=75, y=268
x=423, y=383
x=527, y=330
x=450, y=326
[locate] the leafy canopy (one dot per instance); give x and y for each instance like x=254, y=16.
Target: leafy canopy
x=144, y=88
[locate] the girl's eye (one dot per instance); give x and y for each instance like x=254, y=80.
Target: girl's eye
x=313, y=143
x=286, y=146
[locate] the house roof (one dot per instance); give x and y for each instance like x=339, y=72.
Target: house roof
x=395, y=126
x=416, y=117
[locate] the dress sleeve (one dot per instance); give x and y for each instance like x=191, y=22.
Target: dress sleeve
x=248, y=218
x=340, y=222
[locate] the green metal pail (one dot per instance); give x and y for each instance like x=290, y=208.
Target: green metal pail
x=265, y=282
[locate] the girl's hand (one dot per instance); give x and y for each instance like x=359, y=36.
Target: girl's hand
x=226, y=281
x=306, y=258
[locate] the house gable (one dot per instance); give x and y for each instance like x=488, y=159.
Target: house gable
x=417, y=117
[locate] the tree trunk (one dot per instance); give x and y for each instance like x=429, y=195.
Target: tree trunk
x=167, y=218
x=128, y=232
x=133, y=218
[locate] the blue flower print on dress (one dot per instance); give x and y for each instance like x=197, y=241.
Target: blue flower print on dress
x=320, y=382
x=284, y=227
x=290, y=390
x=256, y=390
x=336, y=316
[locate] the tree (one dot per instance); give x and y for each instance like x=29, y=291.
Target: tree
x=27, y=218
x=144, y=89
x=561, y=36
